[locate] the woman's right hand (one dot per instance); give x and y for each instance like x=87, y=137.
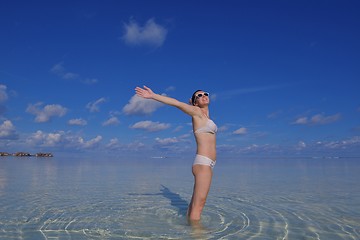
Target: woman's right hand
x=144, y=92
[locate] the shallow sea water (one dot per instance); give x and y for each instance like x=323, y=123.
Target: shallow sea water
x=53, y=198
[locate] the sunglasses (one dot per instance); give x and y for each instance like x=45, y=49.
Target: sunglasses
x=199, y=95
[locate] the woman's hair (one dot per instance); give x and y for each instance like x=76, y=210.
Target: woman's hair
x=193, y=98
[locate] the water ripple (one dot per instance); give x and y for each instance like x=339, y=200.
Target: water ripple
x=153, y=216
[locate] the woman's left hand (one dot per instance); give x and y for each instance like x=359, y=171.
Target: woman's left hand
x=144, y=92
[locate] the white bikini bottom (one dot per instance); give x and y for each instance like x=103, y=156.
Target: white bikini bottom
x=202, y=160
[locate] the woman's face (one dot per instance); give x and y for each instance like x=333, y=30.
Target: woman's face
x=202, y=98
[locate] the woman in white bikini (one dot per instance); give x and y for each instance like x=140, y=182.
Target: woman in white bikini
x=205, y=135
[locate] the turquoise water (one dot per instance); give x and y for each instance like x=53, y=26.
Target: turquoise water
x=53, y=198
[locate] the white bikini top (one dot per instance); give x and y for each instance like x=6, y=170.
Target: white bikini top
x=210, y=127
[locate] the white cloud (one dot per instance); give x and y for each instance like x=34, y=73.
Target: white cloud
x=59, y=70
x=340, y=147
x=91, y=143
x=69, y=76
x=223, y=128
x=7, y=131
x=150, y=126
x=95, y=106
x=3, y=98
x=152, y=34
x=317, y=119
x=274, y=115
x=138, y=105
x=40, y=138
x=77, y=122
x=114, y=144
x=170, y=88
x=46, y=113
x=53, y=138
x=90, y=81
x=301, y=145
x=111, y=121
x=61, y=139
x=166, y=141
x=301, y=121
x=213, y=96
x=3, y=94
x=321, y=119
x=342, y=144
x=240, y=131
x=250, y=149
x=178, y=128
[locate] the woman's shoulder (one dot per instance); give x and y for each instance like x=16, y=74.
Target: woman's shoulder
x=199, y=116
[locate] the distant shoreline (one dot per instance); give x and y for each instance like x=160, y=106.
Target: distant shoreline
x=25, y=154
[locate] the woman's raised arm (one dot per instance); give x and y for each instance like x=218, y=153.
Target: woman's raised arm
x=147, y=93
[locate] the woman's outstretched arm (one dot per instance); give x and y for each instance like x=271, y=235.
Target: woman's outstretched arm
x=147, y=93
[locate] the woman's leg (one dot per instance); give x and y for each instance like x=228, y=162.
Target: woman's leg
x=202, y=176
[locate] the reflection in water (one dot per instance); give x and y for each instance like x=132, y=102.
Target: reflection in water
x=251, y=200
x=3, y=182
x=175, y=200
x=198, y=230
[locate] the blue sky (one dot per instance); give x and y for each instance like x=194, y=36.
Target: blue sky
x=283, y=76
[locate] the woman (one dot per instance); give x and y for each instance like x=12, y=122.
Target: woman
x=205, y=135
